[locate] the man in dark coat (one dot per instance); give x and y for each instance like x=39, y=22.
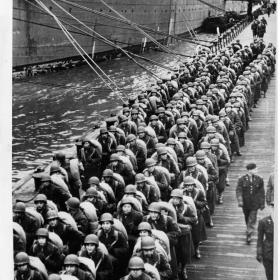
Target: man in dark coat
x=265, y=243
x=251, y=197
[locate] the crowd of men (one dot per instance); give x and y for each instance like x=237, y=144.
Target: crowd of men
x=137, y=200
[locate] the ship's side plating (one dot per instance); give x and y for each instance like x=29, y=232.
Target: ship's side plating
x=37, y=38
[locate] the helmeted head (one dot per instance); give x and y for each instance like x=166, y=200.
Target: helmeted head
x=71, y=264
x=150, y=164
x=52, y=217
x=19, y=209
x=73, y=204
x=22, y=262
x=154, y=210
x=106, y=221
x=189, y=183
x=140, y=180
x=144, y=229
x=148, y=245
x=200, y=156
x=126, y=205
x=42, y=236
x=136, y=267
x=91, y=243
x=191, y=163
x=177, y=196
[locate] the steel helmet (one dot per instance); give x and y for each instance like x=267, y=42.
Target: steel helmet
x=228, y=105
x=112, y=128
x=93, y=181
x=177, y=193
x=161, y=151
x=154, y=207
x=130, y=138
x=208, y=118
x=52, y=214
x=92, y=239
x=191, y=161
x=54, y=168
x=60, y=156
x=185, y=114
x=73, y=203
x=153, y=118
x=42, y=232
x=199, y=102
x=196, y=113
x=147, y=243
x=141, y=129
x=200, y=154
x=71, y=260
x=140, y=178
x=19, y=207
x=189, y=180
x=126, y=200
x=108, y=173
x=204, y=98
x=130, y=189
x=180, y=121
x=145, y=226
x=40, y=198
x=91, y=192
x=160, y=110
x=103, y=130
x=114, y=157
x=106, y=217
x=222, y=114
x=214, y=142
x=150, y=162
x=215, y=118
x=211, y=129
x=205, y=145
x=45, y=178
x=182, y=135
x=171, y=141
x=136, y=263
x=120, y=148
x=21, y=258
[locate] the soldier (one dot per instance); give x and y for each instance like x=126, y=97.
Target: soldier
x=158, y=128
x=73, y=206
x=149, y=255
x=149, y=140
x=23, y=270
x=46, y=251
x=27, y=222
x=136, y=270
x=71, y=264
x=103, y=264
x=251, y=197
x=265, y=243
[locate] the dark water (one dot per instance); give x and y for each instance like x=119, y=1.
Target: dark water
x=50, y=111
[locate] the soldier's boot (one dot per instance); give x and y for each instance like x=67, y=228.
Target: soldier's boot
x=211, y=224
x=197, y=253
x=184, y=273
x=249, y=238
x=220, y=199
x=227, y=181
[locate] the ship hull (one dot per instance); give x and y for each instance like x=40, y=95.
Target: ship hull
x=37, y=39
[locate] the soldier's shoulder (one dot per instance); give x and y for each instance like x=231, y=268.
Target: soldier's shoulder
x=243, y=177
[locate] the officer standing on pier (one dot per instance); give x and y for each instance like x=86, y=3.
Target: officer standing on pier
x=251, y=197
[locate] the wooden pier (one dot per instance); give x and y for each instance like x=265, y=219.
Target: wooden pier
x=226, y=255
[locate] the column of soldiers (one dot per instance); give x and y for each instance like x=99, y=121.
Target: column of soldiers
x=136, y=201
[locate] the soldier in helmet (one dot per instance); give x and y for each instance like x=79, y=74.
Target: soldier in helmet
x=165, y=160
x=103, y=264
x=178, y=149
x=115, y=242
x=41, y=205
x=212, y=181
x=198, y=195
x=94, y=197
x=153, y=170
x=251, y=197
x=166, y=118
x=130, y=218
x=108, y=144
x=73, y=206
x=71, y=265
x=186, y=217
x=116, y=185
x=27, y=222
x=194, y=171
x=46, y=251
x=136, y=270
x=127, y=126
x=143, y=186
x=131, y=191
x=54, y=192
x=158, y=128
x=139, y=149
x=117, y=166
x=167, y=225
x=71, y=238
x=265, y=242
x=149, y=255
x=223, y=161
x=23, y=270
x=149, y=140
x=118, y=134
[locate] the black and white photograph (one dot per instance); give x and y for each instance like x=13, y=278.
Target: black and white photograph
x=143, y=140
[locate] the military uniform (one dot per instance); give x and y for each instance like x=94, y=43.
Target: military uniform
x=250, y=196
x=265, y=245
